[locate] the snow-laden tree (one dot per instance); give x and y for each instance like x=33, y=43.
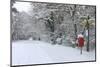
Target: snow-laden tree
x=54, y=23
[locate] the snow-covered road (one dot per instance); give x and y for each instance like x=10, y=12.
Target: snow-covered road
x=37, y=52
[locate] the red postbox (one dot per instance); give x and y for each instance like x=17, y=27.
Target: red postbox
x=80, y=41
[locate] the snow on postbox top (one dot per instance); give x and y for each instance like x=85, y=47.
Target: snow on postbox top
x=80, y=35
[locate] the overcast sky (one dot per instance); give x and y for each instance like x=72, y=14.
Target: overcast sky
x=22, y=6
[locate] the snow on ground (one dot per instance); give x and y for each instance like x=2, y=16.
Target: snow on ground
x=37, y=52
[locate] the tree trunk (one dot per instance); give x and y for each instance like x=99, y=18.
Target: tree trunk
x=88, y=37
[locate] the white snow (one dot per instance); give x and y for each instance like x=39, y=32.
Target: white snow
x=30, y=38
x=37, y=52
x=80, y=35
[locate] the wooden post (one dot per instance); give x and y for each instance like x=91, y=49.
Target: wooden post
x=81, y=51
